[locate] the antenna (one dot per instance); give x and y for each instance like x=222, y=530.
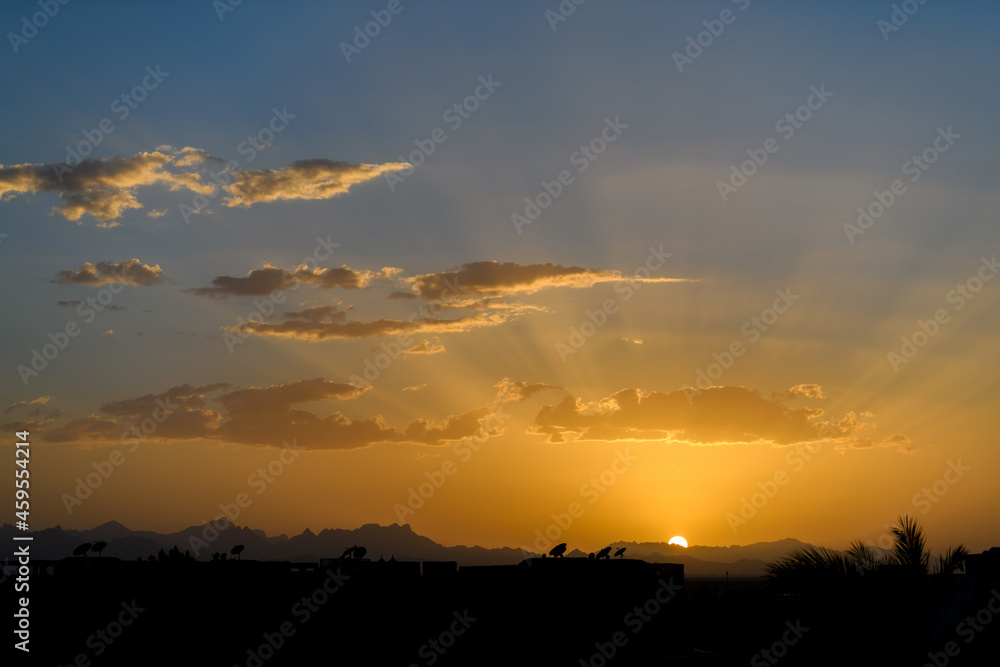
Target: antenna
x=558, y=550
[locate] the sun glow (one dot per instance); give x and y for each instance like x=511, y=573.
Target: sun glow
x=678, y=540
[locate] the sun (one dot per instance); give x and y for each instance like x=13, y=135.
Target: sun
x=678, y=540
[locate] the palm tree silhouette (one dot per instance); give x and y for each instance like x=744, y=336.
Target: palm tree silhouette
x=813, y=565
x=833, y=586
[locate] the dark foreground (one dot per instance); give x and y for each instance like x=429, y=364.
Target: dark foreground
x=101, y=611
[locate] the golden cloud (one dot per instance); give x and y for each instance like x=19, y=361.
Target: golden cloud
x=491, y=278
x=303, y=179
x=130, y=272
x=718, y=415
x=105, y=188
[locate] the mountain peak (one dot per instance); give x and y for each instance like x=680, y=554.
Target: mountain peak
x=109, y=525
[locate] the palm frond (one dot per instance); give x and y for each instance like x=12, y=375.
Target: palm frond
x=952, y=560
x=910, y=546
x=811, y=560
x=866, y=559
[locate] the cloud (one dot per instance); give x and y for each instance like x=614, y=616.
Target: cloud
x=27, y=424
x=257, y=282
x=156, y=213
x=262, y=416
x=479, y=288
x=491, y=278
x=900, y=441
x=303, y=179
x=90, y=429
x=508, y=390
x=280, y=398
x=807, y=390
x=41, y=400
x=103, y=188
x=109, y=332
x=268, y=279
x=130, y=272
x=425, y=347
x=185, y=397
x=310, y=328
x=190, y=156
x=106, y=188
x=718, y=415
x=416, y=387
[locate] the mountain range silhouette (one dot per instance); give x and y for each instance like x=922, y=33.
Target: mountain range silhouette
x=399, y=541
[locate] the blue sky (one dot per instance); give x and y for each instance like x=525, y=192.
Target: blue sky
x=655, y=185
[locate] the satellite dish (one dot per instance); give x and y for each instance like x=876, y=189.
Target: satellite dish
x=618, y=554
x=237, y=550
x=603, y=553
x=558, y=550
x=82, y=549
x=348, y=551
x=99, y=547
x=359, y=552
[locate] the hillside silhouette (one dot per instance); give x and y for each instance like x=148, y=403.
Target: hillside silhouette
x=392, y=540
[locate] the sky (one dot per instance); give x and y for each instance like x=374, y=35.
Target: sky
x=510, y=272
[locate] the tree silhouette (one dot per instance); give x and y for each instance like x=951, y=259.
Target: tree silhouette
x=834, y=586
x=99, y=548
x=952, y=560
x=813, y=565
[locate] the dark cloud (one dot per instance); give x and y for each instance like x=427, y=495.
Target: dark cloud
x=259, y=282
x=260, y=416
x=491, y=278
